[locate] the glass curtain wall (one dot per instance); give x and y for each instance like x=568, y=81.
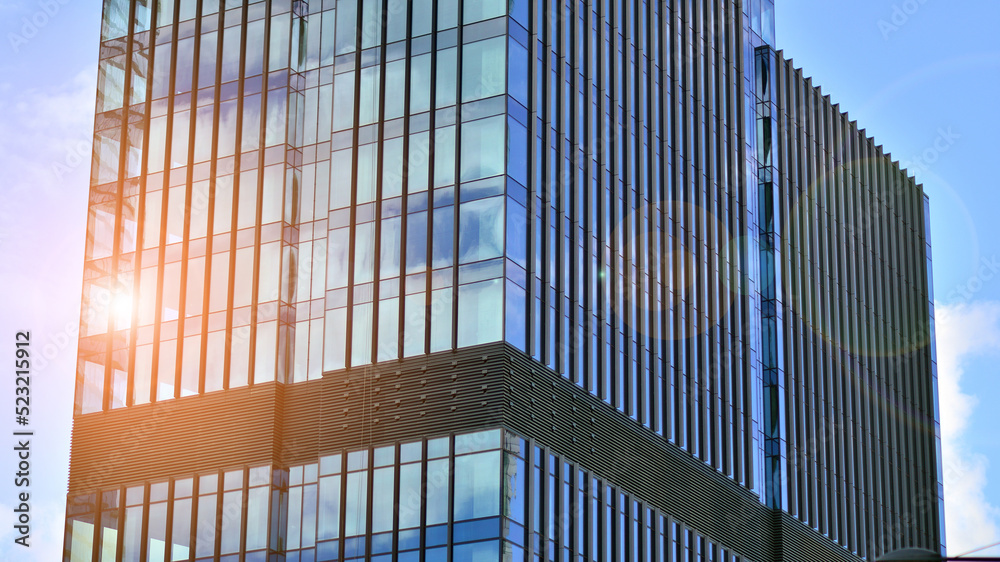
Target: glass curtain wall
x=279, y=193
x=484, y=497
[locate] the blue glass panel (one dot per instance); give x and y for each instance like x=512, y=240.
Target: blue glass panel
x=476, y=530
x=477, y=552
x=326, y=551
x=437, y=535
x=482, y=155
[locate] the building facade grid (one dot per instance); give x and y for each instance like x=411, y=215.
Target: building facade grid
x=643, y=197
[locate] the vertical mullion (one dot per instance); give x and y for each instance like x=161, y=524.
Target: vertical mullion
x=123, y=128
x=456, y=224
x=140, y=216
x=404, y=217
x=209, y=229
x=155, y=374
x=379, y=155
x=349, y=359
x=432, y=147
x=234, y=224
x=258, y=190
x=168, y=537
x=144, y=534
x=186, y=236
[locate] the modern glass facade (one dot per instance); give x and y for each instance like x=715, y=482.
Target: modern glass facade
x=643, y=200
x=479, y=496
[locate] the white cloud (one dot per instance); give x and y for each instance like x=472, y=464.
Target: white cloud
x=963, y=332
x=46, y=533
x=42, y=228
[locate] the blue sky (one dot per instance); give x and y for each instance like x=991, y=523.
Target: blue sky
x=921, y=75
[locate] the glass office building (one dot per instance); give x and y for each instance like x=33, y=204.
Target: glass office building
x=448, y=280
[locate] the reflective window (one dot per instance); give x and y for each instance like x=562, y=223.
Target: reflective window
x=446, y=83
x=481, y=230
x=482, y=153
x=480, y=313
x=478, y=10
x=483, y=68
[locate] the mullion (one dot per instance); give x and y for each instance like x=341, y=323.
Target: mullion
x=258, y=188
x=155, y=375
x=429, y=179
x=379, y=156
x=186, y=242
x=123, y=128
x=405, y=188
x=349, y=355
x=456, y=224
x=234, y=224
x=140, y=216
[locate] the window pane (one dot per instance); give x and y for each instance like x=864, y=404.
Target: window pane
x=422, y=13
x=157, y=532
x=478, y=10
x=517, y=152
x=206, y=59
x=480, y=312
x=392, y=168
x=444, y=235
x=437, y=488
x=329, y=508
x=355, y=517
x=409, y=496
x=418, y=164
x=232, y=503
x=111, y=84
x=230, y=53
x=388, y=329
x=255, y=48
x=364, y=248
x=347, y=24
x=181, y=534
x=361, y=342
x=343, y=101
x=383, y=501
x=447, y=14
x=444, y=156
x=389, y=250
x=257, y=518
x=335, y=339
x=371, y=24
x=477, y=552
x=133, y=533
x=481, y=230
x=369, y=97
x=483, y=69
x=366, y=173
x=80, y=537
x=518, y=71
x=415, y=325
x=416, y=242
x=482, y=154
x=395, y=82
x=477, y=485
x=420, y=83
x=185, y=66
x=191, y=365
x=447, y=62
x=441, y=307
